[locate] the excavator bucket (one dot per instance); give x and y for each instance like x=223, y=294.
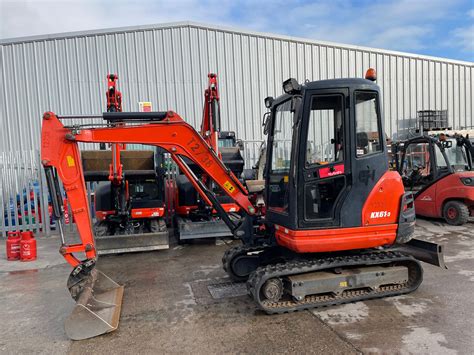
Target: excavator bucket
x=98, y=304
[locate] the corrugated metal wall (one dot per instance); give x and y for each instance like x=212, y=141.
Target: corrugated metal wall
x=168, y=65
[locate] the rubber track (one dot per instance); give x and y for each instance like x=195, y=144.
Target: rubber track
x=232, y=253
x=258, y=278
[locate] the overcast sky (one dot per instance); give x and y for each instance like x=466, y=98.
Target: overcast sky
x=443, y=28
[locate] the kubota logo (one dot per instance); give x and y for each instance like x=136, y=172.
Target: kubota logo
x=380, y=214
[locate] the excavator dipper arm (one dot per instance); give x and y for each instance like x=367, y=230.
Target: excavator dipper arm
x=59, y=150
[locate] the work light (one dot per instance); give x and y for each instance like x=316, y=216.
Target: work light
x=268, y=101
x=291, y=86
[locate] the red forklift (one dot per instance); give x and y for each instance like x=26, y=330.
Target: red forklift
x=439, y=172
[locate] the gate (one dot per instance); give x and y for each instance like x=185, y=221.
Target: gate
x=23, y=193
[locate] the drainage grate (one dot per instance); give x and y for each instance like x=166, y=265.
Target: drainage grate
x=227, y=290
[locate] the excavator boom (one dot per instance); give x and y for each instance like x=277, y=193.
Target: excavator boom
x=163, y=129
x=98, y=297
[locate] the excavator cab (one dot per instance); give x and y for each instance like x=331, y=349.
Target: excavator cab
x=325, y=154
x=336, y=216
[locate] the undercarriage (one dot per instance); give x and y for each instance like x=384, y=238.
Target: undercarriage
x=282, y=281
x=304, y=284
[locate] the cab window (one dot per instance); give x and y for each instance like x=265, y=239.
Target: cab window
x=282, y=135
x=278, y=179
x=368, y=132
x=324, y=141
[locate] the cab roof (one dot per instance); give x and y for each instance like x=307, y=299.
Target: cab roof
x=350, y=83
x=340, y=83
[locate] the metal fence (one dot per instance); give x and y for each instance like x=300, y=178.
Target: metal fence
x=251, y=152
x=24, y=198
x=23, y=193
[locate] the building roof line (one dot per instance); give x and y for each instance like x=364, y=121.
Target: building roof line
x=95, y=32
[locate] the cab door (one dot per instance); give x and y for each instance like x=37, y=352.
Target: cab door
x=279, y=182
x=323, y=164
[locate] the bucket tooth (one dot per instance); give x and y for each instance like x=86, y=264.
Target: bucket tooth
x=97, y=309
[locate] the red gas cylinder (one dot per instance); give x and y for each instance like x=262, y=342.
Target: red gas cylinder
x=13, y=245
x=27, y=246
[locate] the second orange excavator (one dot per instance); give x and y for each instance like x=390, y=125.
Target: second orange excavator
x=194, y=218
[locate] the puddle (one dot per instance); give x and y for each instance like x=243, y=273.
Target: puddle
x=343, y=314
x=421, y=341
x=409, y=306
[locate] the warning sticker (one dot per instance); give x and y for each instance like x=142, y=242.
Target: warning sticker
x=144, y=106
x=70, y=161
x=229, y=186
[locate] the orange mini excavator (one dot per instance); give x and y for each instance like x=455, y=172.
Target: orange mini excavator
x=129, y=197
x=194, y=218
x=338, y=224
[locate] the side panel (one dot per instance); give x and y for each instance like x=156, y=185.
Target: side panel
x=426, y=201
x=336, y=239
x=383, y=204
x=378, y=226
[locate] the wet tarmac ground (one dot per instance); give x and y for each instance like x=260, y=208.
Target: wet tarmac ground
x=180, y=301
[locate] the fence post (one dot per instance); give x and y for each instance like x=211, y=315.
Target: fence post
x=36, y=177
x=2, y=194
x=27, y=177
x=43, y=195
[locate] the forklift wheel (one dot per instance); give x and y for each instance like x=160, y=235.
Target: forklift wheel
x=455, y=213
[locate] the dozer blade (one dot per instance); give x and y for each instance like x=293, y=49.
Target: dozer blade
x=202, y=229
x=98, y=305
x=129, y=243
